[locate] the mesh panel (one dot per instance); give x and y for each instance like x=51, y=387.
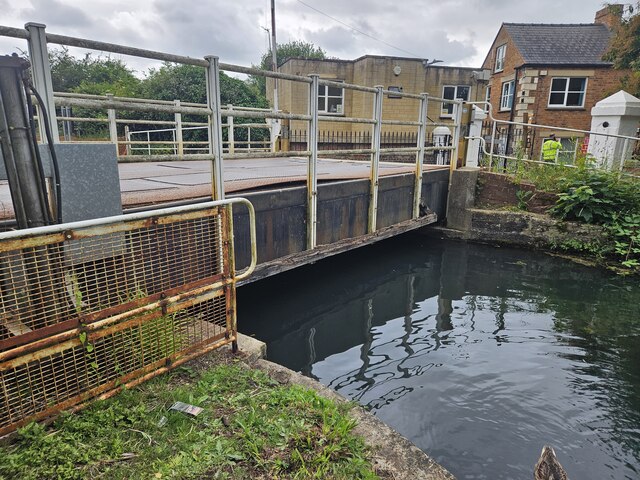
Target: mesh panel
x=155, y=286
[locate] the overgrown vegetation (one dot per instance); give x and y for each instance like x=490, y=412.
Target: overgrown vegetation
x=624, y=49
x=251, y=427
x=593, y=196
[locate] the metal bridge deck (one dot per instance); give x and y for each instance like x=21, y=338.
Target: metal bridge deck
x=158, y=182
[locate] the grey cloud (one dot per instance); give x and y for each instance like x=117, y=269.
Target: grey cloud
x=206, y=27
x=56, y=13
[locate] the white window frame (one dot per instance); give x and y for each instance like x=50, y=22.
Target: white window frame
x=487, y=98
x=444, y=112
x=501, y=53
x=511, y=84
x=326, y=97
x=567, y=92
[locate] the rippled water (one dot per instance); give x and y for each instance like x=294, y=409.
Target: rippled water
x=478, y=355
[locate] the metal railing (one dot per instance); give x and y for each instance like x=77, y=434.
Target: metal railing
x=38, y=39
x=522, y=142
x=91, y=307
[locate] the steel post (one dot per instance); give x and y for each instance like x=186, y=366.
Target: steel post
x=312, y=176
x=375, y=159
x=493, y=144
x=41, y=69
x=215, y=127
x=113, y=127
x=178, y=131
x=230, y=132
x=422, y=135
x=127, y=136
x=457, y=127
x=28, y=191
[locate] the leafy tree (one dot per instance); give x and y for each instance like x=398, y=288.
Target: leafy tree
x=624, y=50
x=285, y=51
x=91, y=75
x=188, y=84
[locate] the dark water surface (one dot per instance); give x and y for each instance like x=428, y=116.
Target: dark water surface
x=478, y=355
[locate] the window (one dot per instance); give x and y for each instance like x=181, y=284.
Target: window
x=567, y=92
x=501, y=51
x=394, y=89
x=487, y=98
x=453, y=92
x=330, y=99
x=506, y=99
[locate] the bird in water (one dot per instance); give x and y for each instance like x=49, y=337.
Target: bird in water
x=548, y=466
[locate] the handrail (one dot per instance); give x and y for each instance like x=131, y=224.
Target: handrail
x=26, y=233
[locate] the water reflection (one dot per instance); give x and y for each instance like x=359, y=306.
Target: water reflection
x=478, y=355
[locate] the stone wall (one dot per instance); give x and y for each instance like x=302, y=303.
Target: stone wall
x=469, y=216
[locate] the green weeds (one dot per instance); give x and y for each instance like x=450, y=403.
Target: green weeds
x=251, y=427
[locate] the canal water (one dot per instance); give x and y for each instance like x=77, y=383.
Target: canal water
x=478, y=355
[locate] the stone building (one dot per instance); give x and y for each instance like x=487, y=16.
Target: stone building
x=552, y=74
x=409, y=75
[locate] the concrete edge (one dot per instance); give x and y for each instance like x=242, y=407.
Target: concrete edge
x=391, y=451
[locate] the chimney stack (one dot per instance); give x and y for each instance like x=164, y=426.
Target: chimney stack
x=611, y=15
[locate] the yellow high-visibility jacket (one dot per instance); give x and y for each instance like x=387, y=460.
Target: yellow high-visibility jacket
x=550, y=149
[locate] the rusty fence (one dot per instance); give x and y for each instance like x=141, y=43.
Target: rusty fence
x=87, y=308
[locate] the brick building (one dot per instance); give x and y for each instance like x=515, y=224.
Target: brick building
x=552, y=74
x=409, y=75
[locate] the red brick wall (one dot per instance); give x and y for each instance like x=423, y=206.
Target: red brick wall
x=511, y=61
x=605, y=82
x=496, y=190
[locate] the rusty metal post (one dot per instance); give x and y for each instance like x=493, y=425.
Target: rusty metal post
x=422, y=134
x=375, y=159
x=178, y=135
x=312, y=175
x=215, y=127
x=41, y=69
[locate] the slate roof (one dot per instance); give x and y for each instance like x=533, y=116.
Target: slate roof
x=560, y=44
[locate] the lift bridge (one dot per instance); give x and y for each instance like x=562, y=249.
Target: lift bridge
x=119, y=259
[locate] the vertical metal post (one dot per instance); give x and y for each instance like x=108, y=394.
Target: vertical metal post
x=177, y=117
x=422, y=134
x=230, y=132
x=148, y=143
x=113, y=127
x=215, y=128
x=312, y=176
x=41, y=69
x=457, y=115
x=375, y=159
x=26, y=179
x=249, y=138
x=127, y=137
x=493, y=143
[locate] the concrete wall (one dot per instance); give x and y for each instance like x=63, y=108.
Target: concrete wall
x=468, y=220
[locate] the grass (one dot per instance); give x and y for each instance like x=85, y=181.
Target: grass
x=251, y=427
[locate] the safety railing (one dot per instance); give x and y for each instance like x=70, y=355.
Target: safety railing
x=38, y=39
x=91, y=307
x=523, y=142
x=172, y=140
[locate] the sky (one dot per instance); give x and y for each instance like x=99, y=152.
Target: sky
x=455, y=31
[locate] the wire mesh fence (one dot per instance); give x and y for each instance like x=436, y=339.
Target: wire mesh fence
x=88, y=308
